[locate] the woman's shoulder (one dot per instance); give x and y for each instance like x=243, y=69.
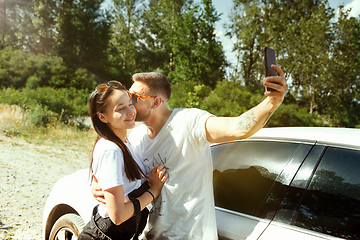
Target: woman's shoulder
x=106, y=145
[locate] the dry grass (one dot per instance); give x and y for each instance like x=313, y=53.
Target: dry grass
x=13, y=125
x=10, y=114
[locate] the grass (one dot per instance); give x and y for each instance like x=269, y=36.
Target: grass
x=6, y=233
x=13, y=125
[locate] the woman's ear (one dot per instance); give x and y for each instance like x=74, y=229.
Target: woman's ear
x=102, y=118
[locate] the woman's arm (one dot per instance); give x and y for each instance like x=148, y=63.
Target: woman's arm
x=119, y=211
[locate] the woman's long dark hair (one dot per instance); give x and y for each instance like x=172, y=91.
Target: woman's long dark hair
x=97, y=105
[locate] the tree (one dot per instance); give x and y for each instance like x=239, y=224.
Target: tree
x=45, y=22
x=303, y=36
x=341, y=98
x=125, y=37
x=197, y=54
x=299, y=31
x=160, y=18
x=250, y=26
x=16, y=28
x=83, y=34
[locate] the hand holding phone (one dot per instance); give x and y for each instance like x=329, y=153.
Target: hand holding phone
x=269, y=58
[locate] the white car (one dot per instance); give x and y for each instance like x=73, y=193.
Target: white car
x=282, y=183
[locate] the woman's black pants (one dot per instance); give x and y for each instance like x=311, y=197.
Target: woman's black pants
x=104, y=229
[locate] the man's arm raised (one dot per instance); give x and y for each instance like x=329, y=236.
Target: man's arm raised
x=222, y=129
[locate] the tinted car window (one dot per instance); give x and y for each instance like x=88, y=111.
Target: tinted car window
x=290, y=203
x=332, y=203
x=244, y=173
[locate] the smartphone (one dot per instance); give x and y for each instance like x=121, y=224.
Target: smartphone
x=269, y=58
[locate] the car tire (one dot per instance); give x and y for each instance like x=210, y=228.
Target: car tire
x=67, y=227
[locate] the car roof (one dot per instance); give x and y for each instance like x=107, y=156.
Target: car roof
x=325, y=135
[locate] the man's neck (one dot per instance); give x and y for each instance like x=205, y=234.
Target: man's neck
x=156, y=122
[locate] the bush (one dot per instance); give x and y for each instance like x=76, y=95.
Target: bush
x=46, y=105
x=20, y=69
x=230, y=99
x=187, y=95
x=291, y=115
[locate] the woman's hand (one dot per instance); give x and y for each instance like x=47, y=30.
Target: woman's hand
x=157, y=178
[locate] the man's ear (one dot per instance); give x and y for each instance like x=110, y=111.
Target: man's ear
x=157, y=102
x=102, y=118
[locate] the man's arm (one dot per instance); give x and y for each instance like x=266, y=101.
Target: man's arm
x=222, y=129
x=97, y=192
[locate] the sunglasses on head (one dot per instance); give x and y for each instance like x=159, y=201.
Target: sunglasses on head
x=136, y=97
x=104, y=86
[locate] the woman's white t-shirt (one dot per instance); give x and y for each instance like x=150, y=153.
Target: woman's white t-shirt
x=108, y=168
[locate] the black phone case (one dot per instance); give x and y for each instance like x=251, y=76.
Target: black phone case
x=269, y=59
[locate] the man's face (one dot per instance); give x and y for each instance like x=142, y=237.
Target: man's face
x=143, y=105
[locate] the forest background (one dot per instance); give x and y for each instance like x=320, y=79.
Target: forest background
x=54, y=52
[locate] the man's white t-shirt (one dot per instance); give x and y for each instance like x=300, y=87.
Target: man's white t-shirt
x=185, y=208
x=108, y=168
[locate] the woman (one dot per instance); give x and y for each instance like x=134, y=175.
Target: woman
x=117, y=168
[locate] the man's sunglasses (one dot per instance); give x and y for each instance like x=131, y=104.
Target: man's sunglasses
x=136, y=97
x=104, y=86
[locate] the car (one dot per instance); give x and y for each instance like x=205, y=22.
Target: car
x=281, y=183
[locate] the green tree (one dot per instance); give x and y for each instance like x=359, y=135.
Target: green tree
x=303, y=35
x=342, y=90
x=159, y=18
x=125, y=35
x=45, y=24
x=307, y=43
x=197, y=54
x=249, y=25
x=16, y=28
x=83, y=34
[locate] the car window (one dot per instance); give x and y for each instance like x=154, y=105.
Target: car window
x=244, y=173
x=331, y=205
x=290, y=202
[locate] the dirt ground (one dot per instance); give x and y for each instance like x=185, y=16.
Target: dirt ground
x=27, y=174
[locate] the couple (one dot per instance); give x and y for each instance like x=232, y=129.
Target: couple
x=178, y=142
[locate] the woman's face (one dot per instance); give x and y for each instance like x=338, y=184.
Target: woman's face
x=119, y=113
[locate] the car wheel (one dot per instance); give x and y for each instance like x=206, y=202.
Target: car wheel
x=67, y=227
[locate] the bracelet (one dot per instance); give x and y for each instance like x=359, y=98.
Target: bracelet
x=151, y=194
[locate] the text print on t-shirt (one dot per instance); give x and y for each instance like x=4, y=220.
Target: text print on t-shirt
x=157, y=207
x=157, y=159
x=149, y=164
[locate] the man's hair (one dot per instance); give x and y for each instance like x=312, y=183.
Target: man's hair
x=157, y=83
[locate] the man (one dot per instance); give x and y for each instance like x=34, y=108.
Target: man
x=180, y=139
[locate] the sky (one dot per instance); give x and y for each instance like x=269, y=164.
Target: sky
x=224, y=7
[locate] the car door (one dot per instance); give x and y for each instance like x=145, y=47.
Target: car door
x=323, y=201
x=249, y=180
